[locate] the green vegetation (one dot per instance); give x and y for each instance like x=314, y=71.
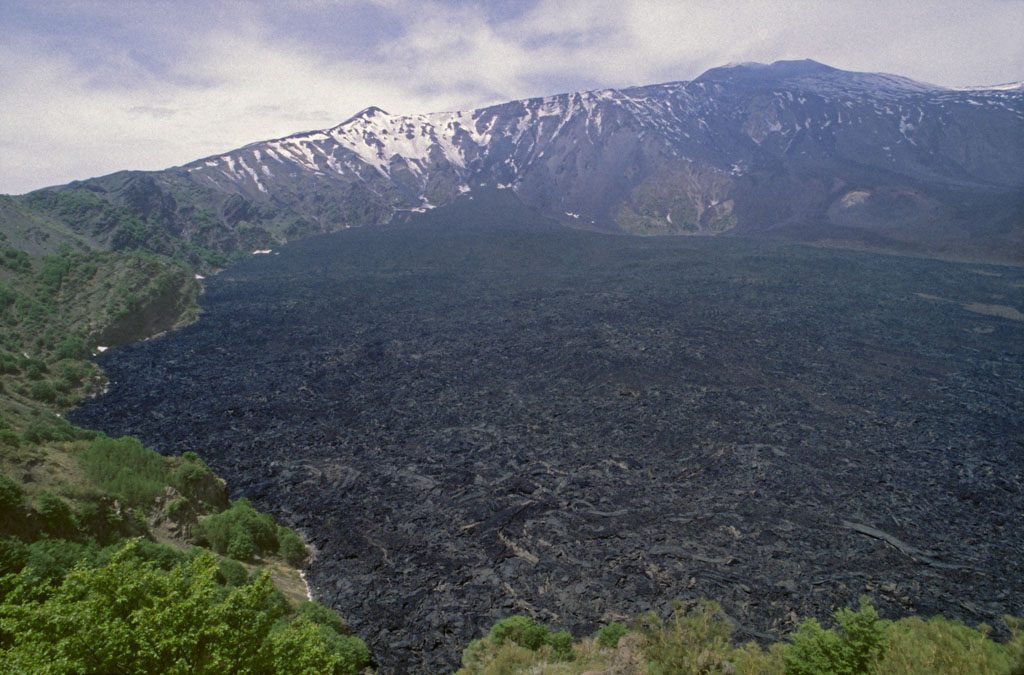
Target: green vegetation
x=699, y=640
x=102, y=567
x=132, y=615
x=55, y=310
x=243, y=533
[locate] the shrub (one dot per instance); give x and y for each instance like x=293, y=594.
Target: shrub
x=351, y=654
x=240, y=531
x=233, y=572
x=178, y=508
x=43, y=391
x=11, y=499
x=57, y=517
x=99, y=519
x=290, y=546
x=521, y=630
x=71, y=347
x=52, y=559
x=13, y=555
x=609, y=636
x=527, y=633
x=938, y=645
x=125, y=469
x=857, y=644
x=698, y=641
x=127, y=615
x=561, y=645
x=324, y=616
x=195, y=480
x=241, y=546
x=35, y=370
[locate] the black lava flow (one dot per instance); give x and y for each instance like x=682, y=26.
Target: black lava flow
x=473, y=422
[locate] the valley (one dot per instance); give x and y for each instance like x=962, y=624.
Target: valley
x=469, y=421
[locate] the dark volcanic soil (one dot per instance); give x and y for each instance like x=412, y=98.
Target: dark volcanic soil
x=470, y=423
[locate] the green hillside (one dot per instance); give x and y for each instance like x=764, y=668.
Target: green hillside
x=114, y=558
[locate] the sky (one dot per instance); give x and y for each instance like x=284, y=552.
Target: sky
x=88, y=87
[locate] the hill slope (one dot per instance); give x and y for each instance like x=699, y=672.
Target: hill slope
x=795, y=149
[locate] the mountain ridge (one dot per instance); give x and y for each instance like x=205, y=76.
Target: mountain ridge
x=794, y=149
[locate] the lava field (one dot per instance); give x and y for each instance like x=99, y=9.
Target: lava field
x=470, y=422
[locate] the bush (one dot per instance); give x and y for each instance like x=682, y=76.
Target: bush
x=8, y=437
x=13, y=555
x=233, y=572
x=240, y=531
x=52, y=559
x=290, y=546
x=127, y=615
x=521, y=630
x=938, y=645
x=57, y=517
x=857, y=644
x=241, y=546
x=561, y=645
x=71, y=347
x=195, y=480
x=529, y=634
x=43, y=391
x=698, y=641
x=125, y=469
x=106, y=524
x=609, y=636
x=12, y=499
x=324, y=616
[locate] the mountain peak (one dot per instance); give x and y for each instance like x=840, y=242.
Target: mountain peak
x=754, y=72
x=368, y=113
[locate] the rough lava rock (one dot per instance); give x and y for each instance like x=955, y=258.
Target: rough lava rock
x=474, y=422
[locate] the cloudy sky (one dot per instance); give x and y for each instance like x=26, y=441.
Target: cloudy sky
x=92, y=86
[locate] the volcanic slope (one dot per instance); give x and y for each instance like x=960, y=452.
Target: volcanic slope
x=793, y=149
x=470, y=422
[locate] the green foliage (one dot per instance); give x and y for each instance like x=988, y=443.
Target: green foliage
x=318, y=614
x=56, y=516
x=609, y=636
x=561, y=645
x=521, y=630
x=43, y=391
x=241, y=546
x=13, y=555
x=241, y=531
x=233, y=572
x=12, y=497
x=15, y=260
x=198, y=483
x=125, y=469
x=49, y=427
x=527, y=633
x=290, y=546
x=698, y=641
x=51, y=559
x=131, y=616
x=921, y=647
x=852, y=649
x=71, y=347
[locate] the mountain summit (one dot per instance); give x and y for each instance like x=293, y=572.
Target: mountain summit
x=793, y=149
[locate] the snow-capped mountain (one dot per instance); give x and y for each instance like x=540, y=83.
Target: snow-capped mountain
x=794, y=148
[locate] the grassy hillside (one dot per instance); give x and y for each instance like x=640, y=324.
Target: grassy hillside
x=100, y=537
